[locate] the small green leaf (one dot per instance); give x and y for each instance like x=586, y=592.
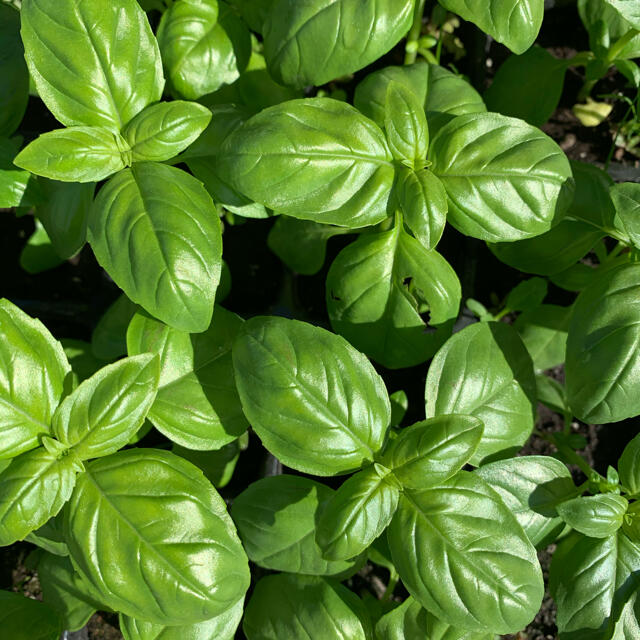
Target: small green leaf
x=23, y=617
x=218, y=466
x=595, y=516
x=629, y=466
x=399, y=406
x=38, y=254
x=626, y=199
x=527, y=295
x=109, y=338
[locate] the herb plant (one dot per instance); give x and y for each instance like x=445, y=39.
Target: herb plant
x=178, y=119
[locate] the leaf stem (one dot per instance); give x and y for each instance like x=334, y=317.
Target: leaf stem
x=411, y=49
x=393, y=581
x=570, y=456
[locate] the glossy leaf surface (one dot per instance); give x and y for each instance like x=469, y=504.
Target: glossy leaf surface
x=629, y=466
x=405, y=126
x=595, y=516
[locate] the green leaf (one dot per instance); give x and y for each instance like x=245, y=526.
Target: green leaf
x=602, y=348
x=153, y=537
x=628, y=10
x=50, y=536
x=105, y=411
x=316, y=159
x=310, y=43
x=253, y=12
x=544, y=332
x=595, y=516
x=290, y=607
x=64, y=589
x=17, y=188
x=83, y=363
x=301, y=244
x=399, y=406
x=38, y=254
x=514, y=23
x=505, y=180
x=218, y=466
x=527, y=86
x=197, y=405
x=423, y=202
x=606, y=570
x=14, y=90
x=222, y=627
x=276, y=518
x=357, y=513
x=156, y=232
x=606, y=26
x=109, y=338
x=22, y=617
x=94, y=64
x=317, y=404
x=33, y=369
x=629, y=466
x=431, y=451
x=204, y=45
x=35, y=487
x=485, y=371
x=76, y=154
x=64, y=213
x=377, y=289
x=552, y=394
x=442, y=93
x=409, y=620
x=161, y=131
x=527, y=295
x=531, y=487
x=626, y=199
x=405, y=126
x=488, y=576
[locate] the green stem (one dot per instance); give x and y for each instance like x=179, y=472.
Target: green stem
x=569, y=455
x=414, y=34
x=428, y=56
x=620, y=44
x=393, y=581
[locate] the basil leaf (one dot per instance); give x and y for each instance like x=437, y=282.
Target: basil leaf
x=218, y=466
x=276, y=518
x=442, y=93
x=222, y=627
x=64, y=589
x=602, y=356
x=163, y=130
x=357, y=513
x=629, y=466
x=606, y=26
x=64, y=214
x=423, y=202
x=253, y=12
x=606, y=569
x=153, y=537
x=399, y=406
x=76, y=154
x=105, y=411
x=552, y=394
x=628, y=10
x=35, y=487
x=301, y=244
x=595, y=516
x=377, y=288
x=348, y=36
x=291, y=370
x=50, y=537
x=17, y=188
x=197, y=404
x=485, y=371
x=33, y=369
x=531, y=487
x=626, y=198
x=527, y=295
x=405, y=126
x=14, y=90
x=204, y=45
x=408, y=620
x=431, y=451
x=38, y=254
x=98, y=65
x=488, y=574
x=544, y=332
x=166, y=221
x=109, y=338
x=505, y=180
x=290, y=607
x=514, y=23
x=22, y=617
x=315, y=159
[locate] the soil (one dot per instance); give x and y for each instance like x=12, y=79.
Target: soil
x=72, y=297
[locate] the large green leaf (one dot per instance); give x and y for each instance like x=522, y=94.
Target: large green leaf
x=35, y=487
x=515, y=23
x=505, y=180
x=317, y=159
x=153, y=537
x=94, y=63
x=33, y=369
x=485, y=371
x=531, y=487
x=628, y=10
x=596, y=516
x=197, y=404
x=289, y=607
x=606, y=26
x=591, y=580
x=357, y=513
x=626, y=198
x=462, y=554
x=204, y=45
x=603, y=360
x=22, y=617
x=312, y=42
x=106, y=410
x=276, y=518
x=392, y=298
x=316, y=403
x=156, y=231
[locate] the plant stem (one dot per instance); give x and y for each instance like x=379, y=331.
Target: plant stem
x=570, y=456
x=393, y=581
x=620, y=44
x=414, y=34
